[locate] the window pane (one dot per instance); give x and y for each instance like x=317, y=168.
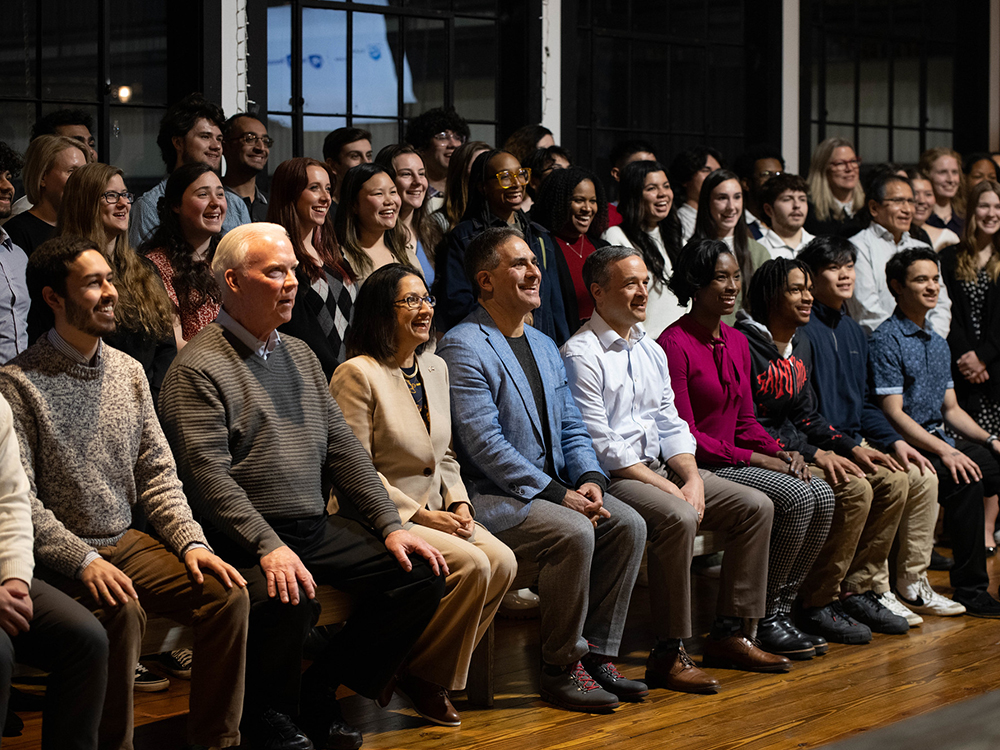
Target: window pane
x=484, y=133
x=650, y=15
x=475, y=68
x=939, y=139
x=905, y=146
x=725, y=21
x=611, y=14
x=940, y=70
x=476, y=6
x=324, y=68
x=280, y=130
x=874, y=144
x=687, y=19
x=18, y=41
x=384, y=132
x=725, y=81
x=874, y=93
x=906, y=91
x=375, y=84
x=687, y=84
x=15, y=125
x=839, y=79
x=425, y=40
x=650, y=62
x=314, y=131
x=139, y=51
x=69, y=50
x=133, y=146
x=609, y=85
x=279, y=59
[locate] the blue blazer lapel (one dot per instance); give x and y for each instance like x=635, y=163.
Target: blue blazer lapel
x=498, y=342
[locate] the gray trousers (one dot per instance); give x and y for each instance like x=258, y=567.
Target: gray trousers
x=585, y=575
x=69, y=643
x=743, y=514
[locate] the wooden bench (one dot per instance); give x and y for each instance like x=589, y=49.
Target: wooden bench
x=165, y=635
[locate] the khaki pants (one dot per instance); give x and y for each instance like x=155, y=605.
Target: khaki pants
x=218, y=617
x=865, y=520
x=915, y=539
x=481, y=571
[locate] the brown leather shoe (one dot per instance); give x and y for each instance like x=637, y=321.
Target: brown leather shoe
x=739, y=652
x=430, y=701
x=674, y=670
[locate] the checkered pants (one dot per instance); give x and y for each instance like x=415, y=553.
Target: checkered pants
x=803, y=512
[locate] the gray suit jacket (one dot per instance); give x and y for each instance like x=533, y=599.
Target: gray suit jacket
x=497, y=428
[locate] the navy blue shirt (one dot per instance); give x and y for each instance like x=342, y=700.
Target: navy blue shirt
x=839, y=377
x=905, y=359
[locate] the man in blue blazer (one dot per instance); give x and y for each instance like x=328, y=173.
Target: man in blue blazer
x=534, y=478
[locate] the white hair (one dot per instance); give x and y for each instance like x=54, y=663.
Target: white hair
x=234, y=248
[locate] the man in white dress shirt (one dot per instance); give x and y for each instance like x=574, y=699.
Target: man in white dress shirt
x=785, y=203
x=890, y=201
x=621, y=384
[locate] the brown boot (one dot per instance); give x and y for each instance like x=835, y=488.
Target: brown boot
x=674, y=670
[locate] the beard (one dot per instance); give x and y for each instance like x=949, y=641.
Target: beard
x=82, y=319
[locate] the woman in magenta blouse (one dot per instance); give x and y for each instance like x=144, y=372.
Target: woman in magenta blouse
x=710, y=374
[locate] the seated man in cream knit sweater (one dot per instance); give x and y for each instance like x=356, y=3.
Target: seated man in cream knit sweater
x=93, y=449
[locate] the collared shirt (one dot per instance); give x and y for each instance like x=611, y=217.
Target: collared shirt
x=777, y=246
x=257, y=208
x=873, y=302
x=145, y=219
x=261, y=348
x=905, y=359
x=622, y=388
x=14, y=299
x=73, y=354
x=688, y=216
x=755, y=225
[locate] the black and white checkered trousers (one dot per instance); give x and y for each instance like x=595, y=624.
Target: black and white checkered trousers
x=803, y=512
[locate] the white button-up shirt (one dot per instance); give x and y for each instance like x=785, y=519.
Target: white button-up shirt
x=622, y=389
x=777, y=246
x=873, y=302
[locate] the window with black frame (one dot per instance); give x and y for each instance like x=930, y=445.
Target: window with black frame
x=880, y=74
x=671, y=73
x=376, y=64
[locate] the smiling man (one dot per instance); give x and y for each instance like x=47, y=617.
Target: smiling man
x=190, y=131
x=785, y=203
x=890, y=201
x=14, y=299
x=534, y=479
x=621, y=383
x=93, y=451
x=246, y=147
x=260, y=443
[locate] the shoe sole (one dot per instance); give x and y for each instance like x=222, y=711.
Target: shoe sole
x=180, y=674
x=984, y=616
x=151, y=687
x=821, y=649
x=585, y=708
x=657, y=682
x=923, y=610
x=420, y=713
x=802, y=654
x=718, y=662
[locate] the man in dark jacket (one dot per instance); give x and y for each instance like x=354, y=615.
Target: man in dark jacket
x=841, y=585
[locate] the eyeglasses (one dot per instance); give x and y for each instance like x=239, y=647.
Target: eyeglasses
x=251, y=139
x=845, y=166
x=508, y=179
x=900, y=201
x=111, y=197
x=414, y=301
x=449, y=135
x=765, y=175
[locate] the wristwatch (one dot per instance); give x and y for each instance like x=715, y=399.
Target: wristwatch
x=989, y=439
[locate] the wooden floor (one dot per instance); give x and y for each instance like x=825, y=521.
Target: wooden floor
x=850, y=690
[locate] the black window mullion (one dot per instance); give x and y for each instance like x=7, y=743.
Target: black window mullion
x=349, y=86
x=298, y=101
x=104, y=86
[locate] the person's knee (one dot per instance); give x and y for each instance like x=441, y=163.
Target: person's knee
x=504, y=563
x=85, y=636
x=576, y=540
x=758, y=506
x=855, y=493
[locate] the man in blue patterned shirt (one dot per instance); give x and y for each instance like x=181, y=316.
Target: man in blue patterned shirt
x=909, y=365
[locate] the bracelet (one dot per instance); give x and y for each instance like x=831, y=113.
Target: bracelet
x=989, y=439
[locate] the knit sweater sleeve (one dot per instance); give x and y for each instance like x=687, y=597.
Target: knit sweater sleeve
x=16, y=538
x=55, y=546
x=194, y=420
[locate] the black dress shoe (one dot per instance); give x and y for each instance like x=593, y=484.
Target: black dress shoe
x=940, y=562
x=819, y=642
x=775, y=638
x=323, y=721
x=273, y=730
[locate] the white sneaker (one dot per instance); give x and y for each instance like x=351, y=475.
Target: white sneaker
x=920, y=597
x=896, y=607
x=519, y=604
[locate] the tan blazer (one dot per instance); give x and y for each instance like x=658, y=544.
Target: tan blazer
x=419, y=470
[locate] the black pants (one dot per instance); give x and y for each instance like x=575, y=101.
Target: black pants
x=392, y=609
x=67, y=641
x=963, y=517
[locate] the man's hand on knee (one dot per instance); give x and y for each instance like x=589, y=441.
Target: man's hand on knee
x=107, y=584
x=199, y=559
x=15, y=607
x=284, y=572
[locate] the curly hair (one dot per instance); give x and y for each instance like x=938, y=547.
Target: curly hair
x=456, y=196
x=968, y=248
x=180, y=118
x=688, y=163
x=523, y=141
x=193, y=281
x=346, y=222
x=632, y=209
x=289, y=180
x=49, y=124
x=428, y=231
x=553, y=209
x=769, y=282
x=10, y=160
x=143, y=304
x=425, y=126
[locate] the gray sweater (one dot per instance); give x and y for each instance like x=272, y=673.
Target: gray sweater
x=92, y=448
x=263, y=439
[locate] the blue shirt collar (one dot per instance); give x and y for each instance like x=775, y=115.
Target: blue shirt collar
x=262, y=349
x=71, y=353
x=908, y=327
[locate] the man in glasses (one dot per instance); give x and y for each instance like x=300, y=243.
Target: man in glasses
x=435, y=135
x=190, y=131
x=890, y=202
x=246, y=146
x=756, y=166
x=15, y=302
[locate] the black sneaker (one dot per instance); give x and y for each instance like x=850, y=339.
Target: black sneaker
x=867, y=608
x=775, y=638
x=148, y=682
x=273, y=730
x=832, y=623
x=818, y=642
x=982, y=605
x=177, y=663
x=322, y=720
x=606, y=674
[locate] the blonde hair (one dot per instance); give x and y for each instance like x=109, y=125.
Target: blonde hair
x=925, y=165
x=38, y=159
x=968, y=249
x=819, y=186
x=143, y=304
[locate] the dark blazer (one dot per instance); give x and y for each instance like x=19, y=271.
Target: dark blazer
x=961, y=337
